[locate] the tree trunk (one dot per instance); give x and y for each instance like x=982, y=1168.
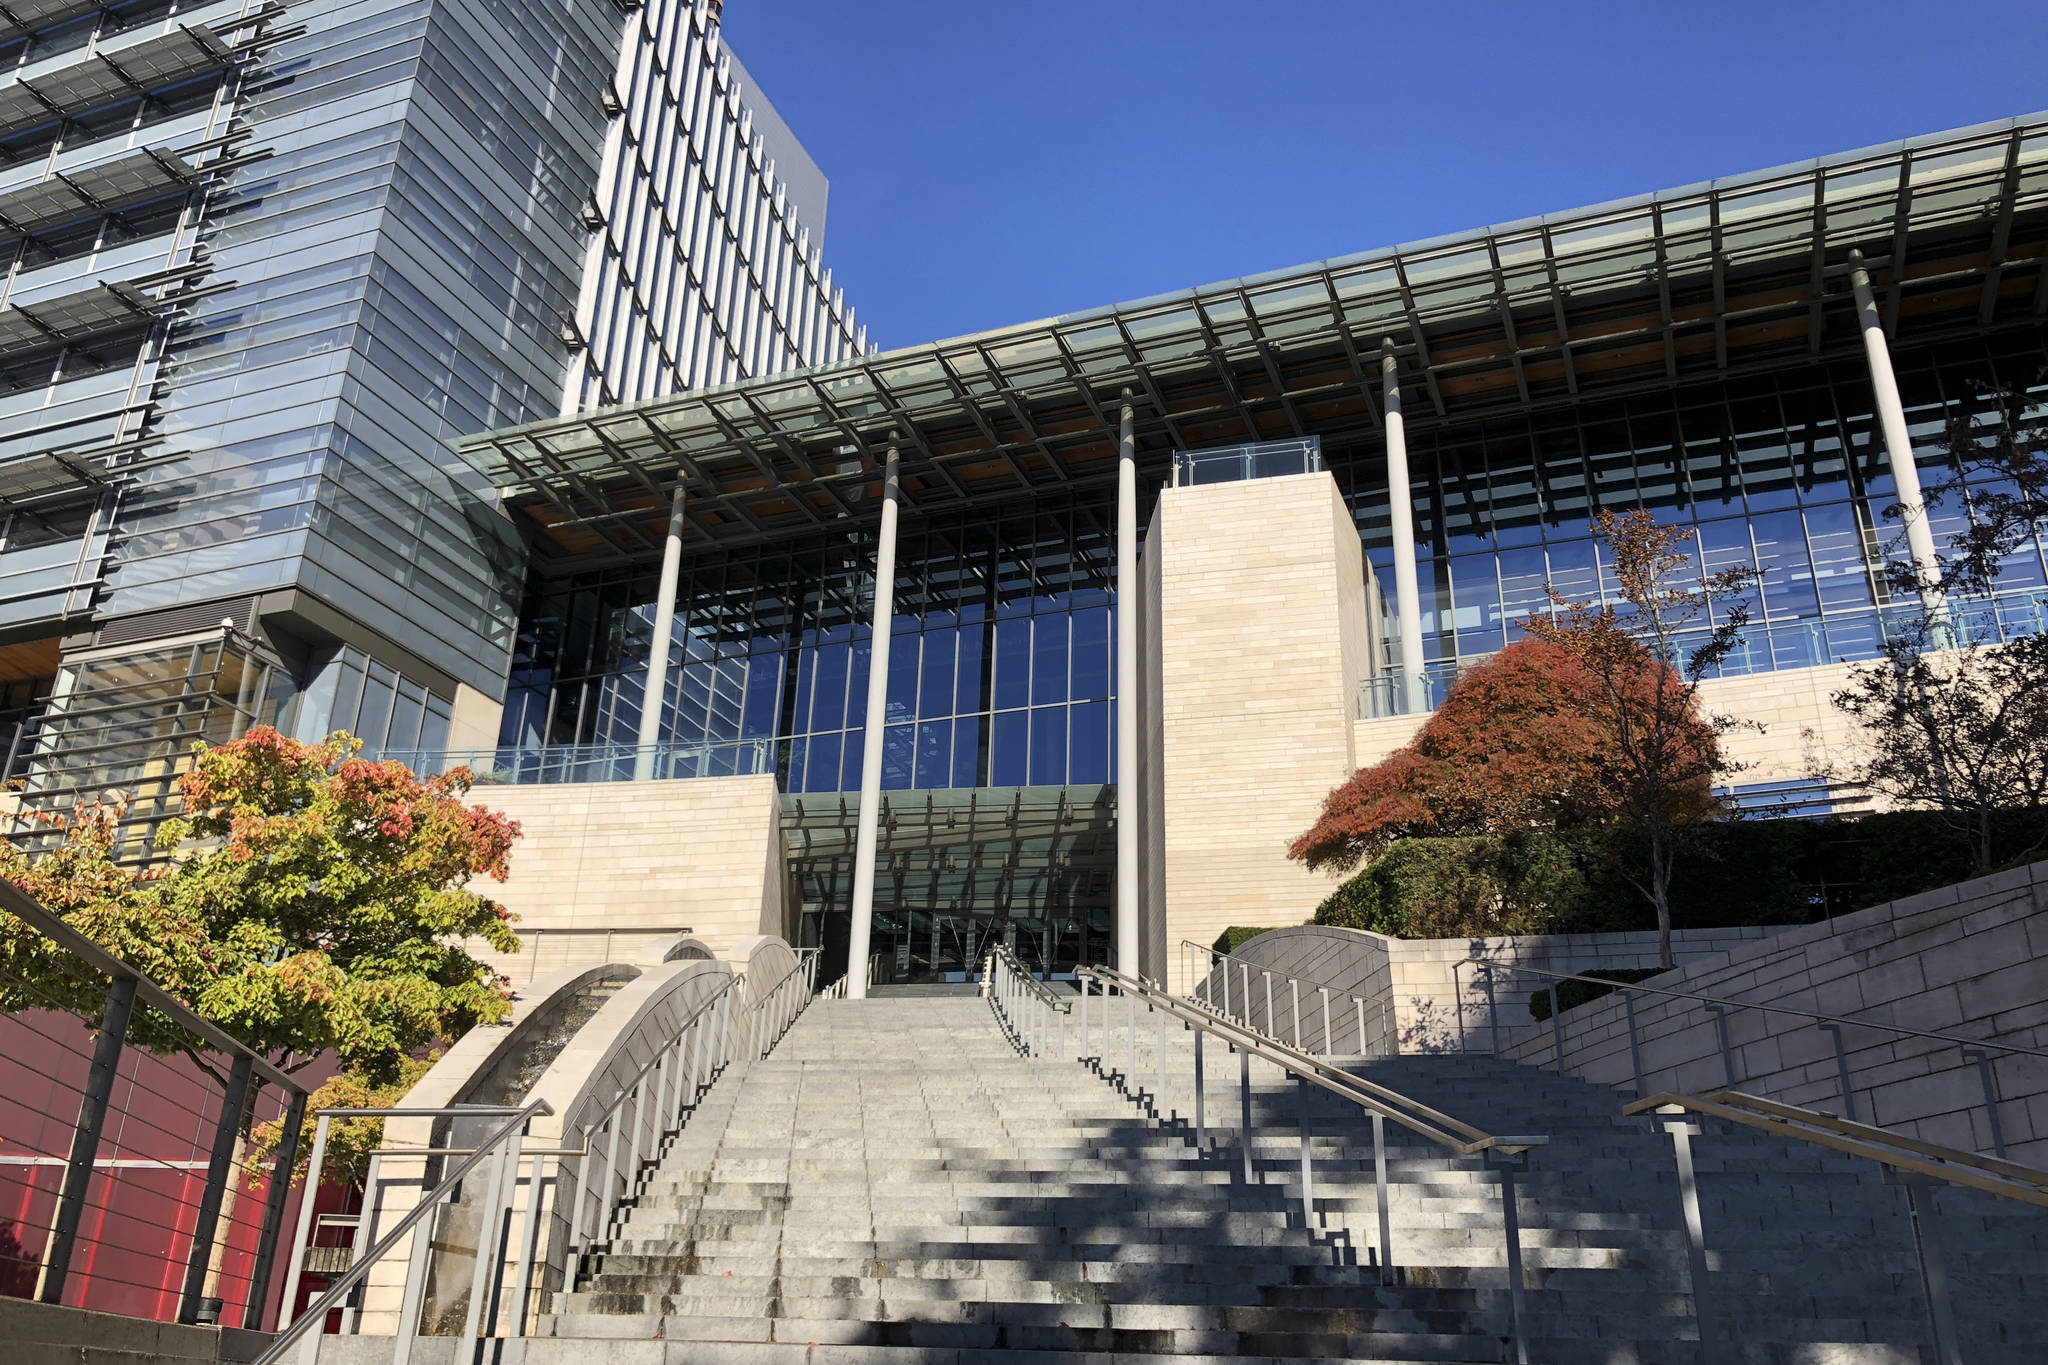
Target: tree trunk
x=217, y=1258
x=1660, y=883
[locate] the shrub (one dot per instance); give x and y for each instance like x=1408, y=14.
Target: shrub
x=1445, y=888
x=1235, y=937
x=1572, y=994
x=1732, y=873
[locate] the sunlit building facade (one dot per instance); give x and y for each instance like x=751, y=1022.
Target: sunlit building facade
x=1705, y=352
x=266, y=263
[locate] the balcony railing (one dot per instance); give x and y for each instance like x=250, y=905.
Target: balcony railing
x=1768, y=646
x=1233, y=464
x=563, y=763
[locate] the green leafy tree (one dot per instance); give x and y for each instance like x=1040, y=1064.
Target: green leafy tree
x=314, y=903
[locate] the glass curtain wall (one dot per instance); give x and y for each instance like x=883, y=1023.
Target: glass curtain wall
x=999, y=667
x=123, y=728
x=1785, y=471
x=1001, y=664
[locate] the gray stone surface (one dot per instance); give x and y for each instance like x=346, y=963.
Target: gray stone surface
x=895, y=1183
x=1968, y=960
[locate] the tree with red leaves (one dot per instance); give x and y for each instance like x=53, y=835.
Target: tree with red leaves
x=1514, y=746
x=1593, y=719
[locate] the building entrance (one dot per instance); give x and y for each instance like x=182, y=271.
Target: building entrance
x=956, y=872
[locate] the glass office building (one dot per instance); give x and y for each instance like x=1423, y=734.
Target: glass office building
x=266, y=262
x=1699, y=352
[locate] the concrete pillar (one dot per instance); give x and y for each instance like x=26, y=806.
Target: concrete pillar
x=657, y=652
x=871, y=744
x=1407, y=598
x=1898, y=445
x=1128, y=789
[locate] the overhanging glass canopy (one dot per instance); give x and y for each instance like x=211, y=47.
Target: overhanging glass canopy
x=1700, y=282
x=956, y=870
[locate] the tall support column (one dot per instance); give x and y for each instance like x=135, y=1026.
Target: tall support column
x=1407, y=598
x=1128, y=792
x=653, y=698
x=871, y=744
x=1898, y=445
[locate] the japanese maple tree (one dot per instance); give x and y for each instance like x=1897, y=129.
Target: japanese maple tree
x=1513, y=746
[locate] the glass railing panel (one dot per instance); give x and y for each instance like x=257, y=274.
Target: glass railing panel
x=566, y=763
x=1773, y=646
x=1234, y=464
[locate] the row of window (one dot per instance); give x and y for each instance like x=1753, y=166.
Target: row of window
x=702, y=273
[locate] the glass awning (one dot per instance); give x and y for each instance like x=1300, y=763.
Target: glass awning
x=155, y=64
x=979, y=850
x=107, y=187
x=43, y=478
x=31, y=16
x=1694, y=282
x=80, y=319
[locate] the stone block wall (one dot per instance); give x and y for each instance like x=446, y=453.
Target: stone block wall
x=606, y=871
x=1256, y=638
x=1968, y=960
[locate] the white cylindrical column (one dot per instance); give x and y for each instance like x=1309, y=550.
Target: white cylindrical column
x=652, y=698
x=871, y=744
x=1128, y=794
x=1407, y=598
x=1898, y=443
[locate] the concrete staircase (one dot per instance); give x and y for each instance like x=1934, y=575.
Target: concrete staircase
x=895, y=1183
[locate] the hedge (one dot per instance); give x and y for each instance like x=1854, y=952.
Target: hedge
x=1739, y=872
x=1235, y=937
x=1572, y=994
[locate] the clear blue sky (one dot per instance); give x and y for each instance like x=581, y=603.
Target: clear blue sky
x=997, y=162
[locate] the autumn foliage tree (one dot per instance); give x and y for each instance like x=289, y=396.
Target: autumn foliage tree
x=1514, y=746
x=1592, y=720
x=314, y=903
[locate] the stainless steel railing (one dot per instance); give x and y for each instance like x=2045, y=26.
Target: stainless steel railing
x=98, y=1147
x=1013, y=995
x=1032, y=1011
x=305, y=1331
x=1974, y=1051
x=1370, y=1016
x=1906, y=1161
x=617, y=1140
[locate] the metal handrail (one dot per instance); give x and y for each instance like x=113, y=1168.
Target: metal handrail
x=1387, y=1032
x=1808, y=1015
x=773, y=1014
x=1439, y=1127
x=1028, y=979
x=1035, y=1015
x=1504, y=1154
x=125, y=986
x=316, y=1312
x=1908, y=1162
x=1993, y=1175
x=23, y=907
x=1974, y=1050
x=615, y=1132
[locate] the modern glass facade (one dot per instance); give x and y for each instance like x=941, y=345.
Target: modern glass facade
x=1784, y=470
x=999, y=669
x=1696, y=352
x=269, y=261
